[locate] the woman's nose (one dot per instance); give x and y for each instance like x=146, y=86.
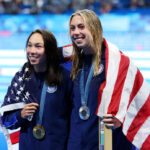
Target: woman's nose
x=33, y=49
x=76, y=31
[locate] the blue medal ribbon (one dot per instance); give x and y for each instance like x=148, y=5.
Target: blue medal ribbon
x=38, y=130
x=84, y=112
x=42, y=102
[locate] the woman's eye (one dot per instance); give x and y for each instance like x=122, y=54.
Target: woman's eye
x=29, y=45
x=72, y=28
x=39, y=46
x=81, y=26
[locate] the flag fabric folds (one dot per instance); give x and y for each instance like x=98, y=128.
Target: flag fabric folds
x=126, y=95
x=15, y=99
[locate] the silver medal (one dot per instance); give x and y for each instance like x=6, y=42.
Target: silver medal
x=84, y=112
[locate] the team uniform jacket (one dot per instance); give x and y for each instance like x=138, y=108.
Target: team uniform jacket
x=55, y=116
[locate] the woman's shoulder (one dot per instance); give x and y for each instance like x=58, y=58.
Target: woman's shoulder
x=66, y=79
x=66, y=74
x=21, y=71
x=65, y=71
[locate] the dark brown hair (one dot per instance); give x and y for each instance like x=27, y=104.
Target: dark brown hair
x=53, y=74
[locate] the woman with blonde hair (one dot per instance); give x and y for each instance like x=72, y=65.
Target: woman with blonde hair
x=98, y=84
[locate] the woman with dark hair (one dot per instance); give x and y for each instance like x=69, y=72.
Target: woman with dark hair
x=39, y=97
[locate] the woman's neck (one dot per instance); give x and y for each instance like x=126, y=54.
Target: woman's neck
x=39, y=68
x=88, y=51
x=88, y=59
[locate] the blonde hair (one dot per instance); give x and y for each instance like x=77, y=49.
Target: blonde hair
x=94, y=26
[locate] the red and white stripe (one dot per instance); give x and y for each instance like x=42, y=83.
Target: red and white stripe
x=11, y=136
x=67, y=52
x=126, y=95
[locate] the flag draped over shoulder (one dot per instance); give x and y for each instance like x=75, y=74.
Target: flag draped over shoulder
x=15, y=99
x=126, y=95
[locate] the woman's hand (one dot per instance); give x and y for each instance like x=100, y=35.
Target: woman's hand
x=111, y=122
x=29, y=110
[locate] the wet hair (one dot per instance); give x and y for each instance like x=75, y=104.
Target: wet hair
x=53, y=74
x=92, y=22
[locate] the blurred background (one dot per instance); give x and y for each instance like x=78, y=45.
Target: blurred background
x=126, y=23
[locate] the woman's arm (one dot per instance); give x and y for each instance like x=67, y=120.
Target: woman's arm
x=15, y=119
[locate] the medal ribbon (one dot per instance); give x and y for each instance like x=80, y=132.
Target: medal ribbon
x=84, y=93
x=42, y=102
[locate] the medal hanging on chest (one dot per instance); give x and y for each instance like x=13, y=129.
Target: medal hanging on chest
x=84, y=111
x=38, y=130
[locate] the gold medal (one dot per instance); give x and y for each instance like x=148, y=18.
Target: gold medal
x=39, y=132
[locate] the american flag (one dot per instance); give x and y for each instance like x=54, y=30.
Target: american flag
x=16, y=93
x=16, y=98
x=126, y=95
